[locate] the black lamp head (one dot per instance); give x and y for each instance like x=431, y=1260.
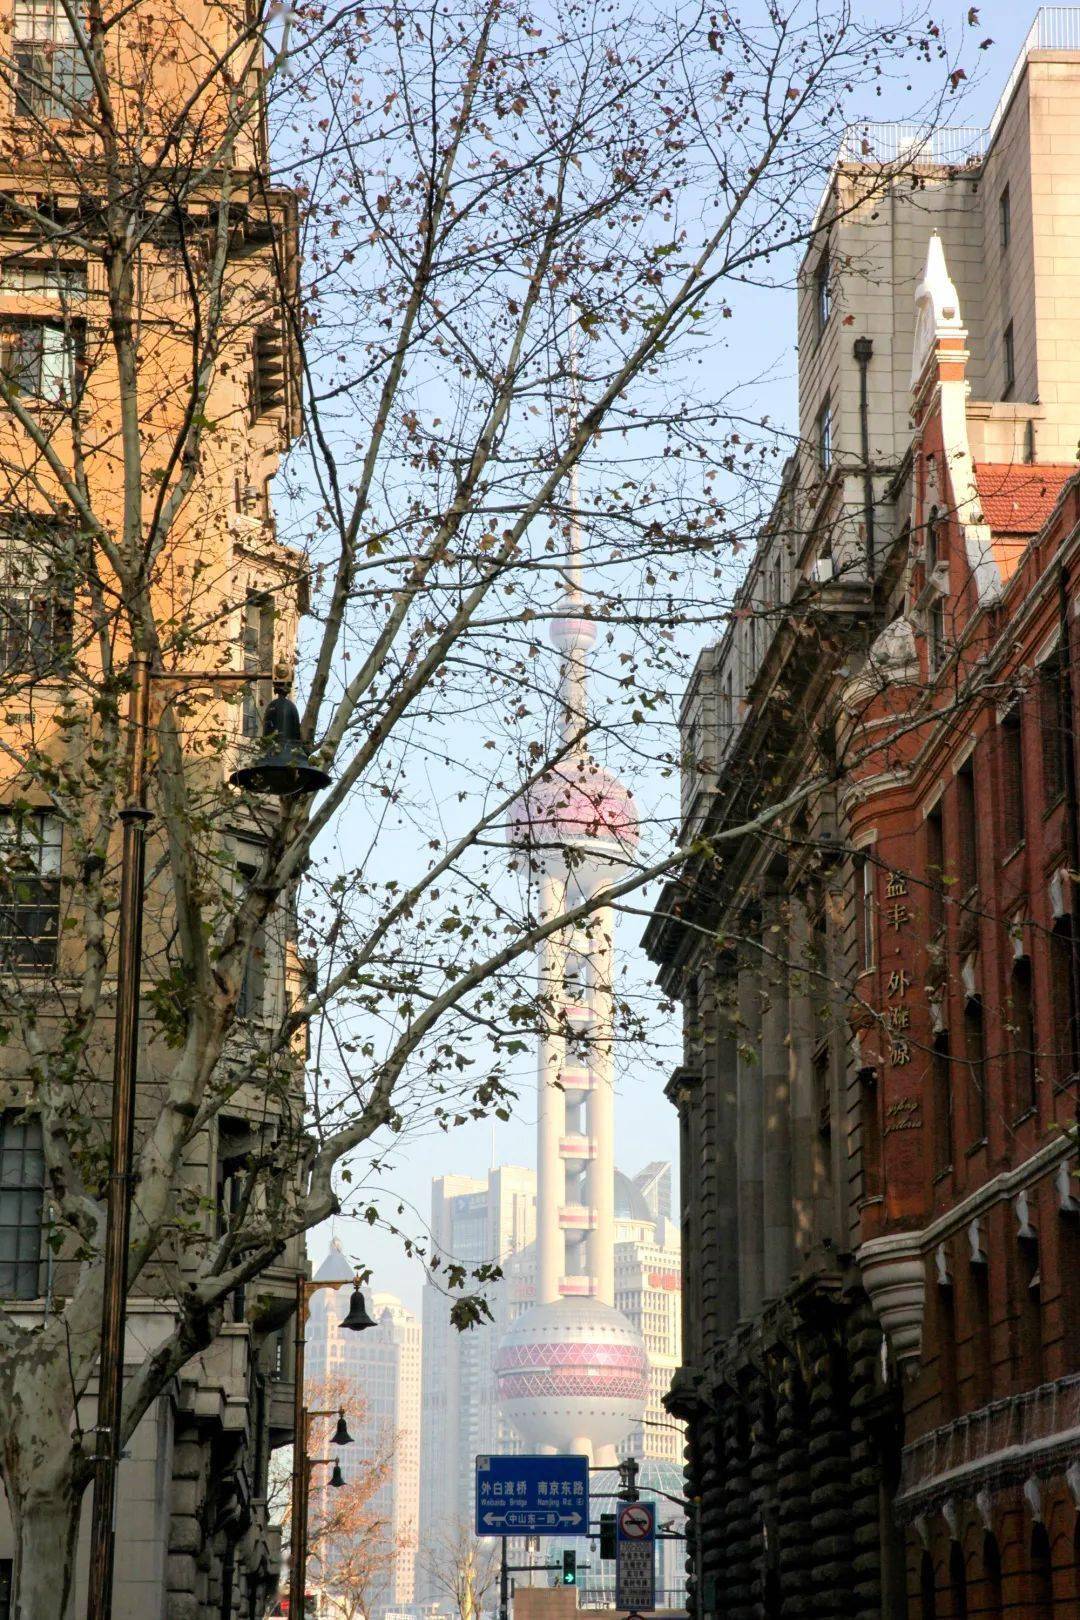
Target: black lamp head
x=284, y=769
x=337, y=1478
x=358, y=1319
x=342, y=1437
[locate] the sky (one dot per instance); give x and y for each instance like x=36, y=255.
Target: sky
x=645, y=1121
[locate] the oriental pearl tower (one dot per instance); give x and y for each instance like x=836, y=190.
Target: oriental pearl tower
x=572, y=1371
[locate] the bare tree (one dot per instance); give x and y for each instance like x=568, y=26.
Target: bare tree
x=462, y=1568
x=469, y=275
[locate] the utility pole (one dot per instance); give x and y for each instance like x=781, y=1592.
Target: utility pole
x=134, y=818
x=504, y=1585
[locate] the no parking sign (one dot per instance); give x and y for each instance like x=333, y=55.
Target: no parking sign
x=635, y=1553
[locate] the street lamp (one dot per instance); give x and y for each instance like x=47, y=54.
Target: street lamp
x=356, y=1321
x=134, y=818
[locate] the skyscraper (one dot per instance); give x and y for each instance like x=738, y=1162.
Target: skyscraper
x=472, y=1222
x=382, y=1366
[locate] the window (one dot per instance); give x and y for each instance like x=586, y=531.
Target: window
x=824, y=436
x=1009, y=359
x=232, y=1172
x=268, y=372
x=967, y=860
x=30, y=848
x=1005, y=218
x=1051, y=708
x=1063, y=1012
x=36, y=596
x=822, y=292
x=1023, y=1035
x=935, y=868
x=252, y=995
x=22, y=1183
x=51, y=73
x=958, y=1581
x=941, y=1081
x=1012, y=776
x=37, y=359
x=258, y=656
x=864, y=912
x=1042, y=1576
x=937, y=647
x=66, y=282
x=975, y=1057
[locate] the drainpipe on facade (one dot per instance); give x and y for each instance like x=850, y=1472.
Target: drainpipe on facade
x=1072, y=811
x=863, y=349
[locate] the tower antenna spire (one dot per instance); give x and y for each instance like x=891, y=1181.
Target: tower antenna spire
x=571, y=630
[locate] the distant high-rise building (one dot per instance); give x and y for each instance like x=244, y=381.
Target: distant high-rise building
x=654, y=1185
x=472, y=1222
x=383, y=1366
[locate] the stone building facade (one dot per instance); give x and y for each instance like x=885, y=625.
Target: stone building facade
x=196, y=1533
x=878, y=1366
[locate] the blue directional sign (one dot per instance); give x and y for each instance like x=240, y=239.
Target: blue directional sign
x=532, y=1496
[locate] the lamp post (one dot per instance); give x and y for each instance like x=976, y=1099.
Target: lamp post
x=356, y=1320
x=295, y=775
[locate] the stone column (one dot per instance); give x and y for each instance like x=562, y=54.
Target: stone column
x=749, y=1146
x=718, y=1169
x=776, y=1096
x=803, y=1032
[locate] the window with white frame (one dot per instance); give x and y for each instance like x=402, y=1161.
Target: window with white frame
x=66, y=282
x=52, y=77
x=36, y=594
x=38, y=358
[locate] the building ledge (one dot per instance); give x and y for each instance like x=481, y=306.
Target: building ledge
x=1008, y=1441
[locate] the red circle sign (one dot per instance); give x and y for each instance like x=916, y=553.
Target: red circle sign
x=635, y=1521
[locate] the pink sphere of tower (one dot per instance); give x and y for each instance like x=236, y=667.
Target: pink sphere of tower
x=576, y=802
x=572, y=1370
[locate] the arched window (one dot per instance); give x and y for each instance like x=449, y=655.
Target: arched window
x=1042, y=1575
x=991, y=1599
x=958, y=1581
x=927, y=1589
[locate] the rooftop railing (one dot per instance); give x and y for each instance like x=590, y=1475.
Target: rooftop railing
x=1055, y=28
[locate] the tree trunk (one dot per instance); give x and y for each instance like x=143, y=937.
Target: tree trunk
x=46, y=1536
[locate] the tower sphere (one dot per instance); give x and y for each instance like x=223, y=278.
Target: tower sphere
x=570, y=1370
x=578, y=803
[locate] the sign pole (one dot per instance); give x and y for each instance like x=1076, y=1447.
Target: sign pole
x=504, y=1585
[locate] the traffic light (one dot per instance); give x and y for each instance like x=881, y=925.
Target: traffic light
x=607, y=1535
x=569, y=1568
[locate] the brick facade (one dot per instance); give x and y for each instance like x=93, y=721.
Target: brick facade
x=873, y=945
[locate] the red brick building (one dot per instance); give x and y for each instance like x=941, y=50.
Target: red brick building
x=963, y=811
x=874, y=938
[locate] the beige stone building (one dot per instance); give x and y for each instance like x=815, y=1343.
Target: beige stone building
x=195, y=1532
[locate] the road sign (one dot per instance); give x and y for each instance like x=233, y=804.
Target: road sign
x=635, y=1549
x=532, y=1496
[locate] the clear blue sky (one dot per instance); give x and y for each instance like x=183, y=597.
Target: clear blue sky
x=645, y=1121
